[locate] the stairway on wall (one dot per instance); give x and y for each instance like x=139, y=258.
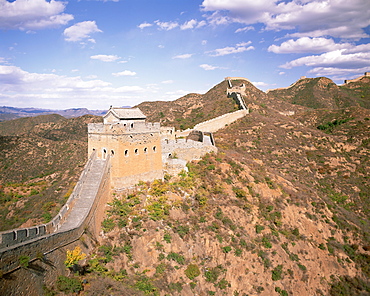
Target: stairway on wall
x=86, y=197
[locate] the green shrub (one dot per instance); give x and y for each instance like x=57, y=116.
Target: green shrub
x=259, y=228
x=160, y=269
x=226, y=249
x=192, y=271
x=266, y=242
x=281, y=292
x=223, y=284
x=239, y=193
x=212, y=274
x=24, y=261
x=108, y=224
x=277, y=272
x=68, y=285
x=144, y=284
x=182, y=230
x=167, y=238
x=176, y=257
x=175, y=286
x=322, y=246
x=238, y=252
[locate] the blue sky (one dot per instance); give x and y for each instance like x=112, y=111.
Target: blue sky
x=93, y=54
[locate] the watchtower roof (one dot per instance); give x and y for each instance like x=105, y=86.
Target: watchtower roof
x=125, y=113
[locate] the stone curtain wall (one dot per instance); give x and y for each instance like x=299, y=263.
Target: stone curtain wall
x=220, y=122
x=16, y=236
x=50, y=241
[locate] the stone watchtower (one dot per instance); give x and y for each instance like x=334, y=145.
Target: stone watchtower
x=134, y=146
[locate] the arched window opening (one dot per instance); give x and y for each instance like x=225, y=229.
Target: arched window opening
x=136, y=151
x=145, y=150
x=126, y=152
x=132, y=125
x=112, y=152
x=154, y=148
x=104, y=153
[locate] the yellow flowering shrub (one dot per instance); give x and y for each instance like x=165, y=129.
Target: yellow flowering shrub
x=73, y=256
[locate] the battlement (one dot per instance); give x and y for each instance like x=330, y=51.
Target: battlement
x=123, y=128
x=366, y=74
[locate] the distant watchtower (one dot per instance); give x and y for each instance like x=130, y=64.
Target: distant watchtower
x=133, y=144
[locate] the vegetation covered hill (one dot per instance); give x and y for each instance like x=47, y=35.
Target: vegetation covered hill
x=281, y=209
x=41, y=158
x=191, y=109
x=359, y=90
x=316, y=93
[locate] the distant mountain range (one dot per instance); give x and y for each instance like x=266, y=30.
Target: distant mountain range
x=8, y=113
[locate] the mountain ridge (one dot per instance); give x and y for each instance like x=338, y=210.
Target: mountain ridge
x=282, y=208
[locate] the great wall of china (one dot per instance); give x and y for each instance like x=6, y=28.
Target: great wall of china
x=84, y=210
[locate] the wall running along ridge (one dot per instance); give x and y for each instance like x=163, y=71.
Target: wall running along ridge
x=83, y=210
x=140, y=143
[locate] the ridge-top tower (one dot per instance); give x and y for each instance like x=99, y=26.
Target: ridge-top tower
x=133, y=145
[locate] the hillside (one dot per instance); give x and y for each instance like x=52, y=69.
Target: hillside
x=359, y=90
x=41, y=158
x=316, y=93
x=191, y=109
x=281, y=209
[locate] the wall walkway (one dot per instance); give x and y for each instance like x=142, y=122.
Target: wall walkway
x=78, y=214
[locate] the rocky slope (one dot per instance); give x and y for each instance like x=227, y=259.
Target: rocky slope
x=281, y=209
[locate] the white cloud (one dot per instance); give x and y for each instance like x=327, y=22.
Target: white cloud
x=124, y=73
x=144, y=25
x=201, y=24
x=307, y=45
x=245, y=29
x=183, y=56
x=217, y=19
x=81, y=31
x=313, y=18
x=240, y=47
x=167, y=82
x=332, y=72
x=166, y=25
x=59, y=91
x=208, y=67
x=189, y=25
x=105, y=58
x=35, y=14
x=260, y=84
x=337, y=58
